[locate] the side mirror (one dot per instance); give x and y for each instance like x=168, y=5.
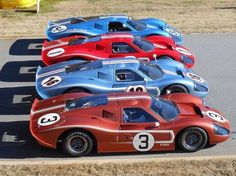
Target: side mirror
x=124, y=25
x=157, y=124
x=154, y=57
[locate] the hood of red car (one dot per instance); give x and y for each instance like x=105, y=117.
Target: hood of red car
x=189, y=109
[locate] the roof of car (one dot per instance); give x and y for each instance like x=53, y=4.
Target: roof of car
x=131, y=98
x=85, y=19
x=118, y=63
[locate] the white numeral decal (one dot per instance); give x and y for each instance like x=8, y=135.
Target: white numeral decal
x=143, y=141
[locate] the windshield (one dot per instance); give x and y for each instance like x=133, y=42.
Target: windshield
x=152, y=71
x=143, y=44
x=136, y=25
x=166, y=109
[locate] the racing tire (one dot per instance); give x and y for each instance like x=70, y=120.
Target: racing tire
x=176, y=88
x=77, y=143
x=192, y=139
x=73, y=90
x=83, y=60
x=165, y=57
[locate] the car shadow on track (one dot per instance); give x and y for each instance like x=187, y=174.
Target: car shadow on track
x=26, y=47
x=16, y=100
x=19, y=71
x=17, y=142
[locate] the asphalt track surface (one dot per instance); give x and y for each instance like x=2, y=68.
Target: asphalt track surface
x=216, y=62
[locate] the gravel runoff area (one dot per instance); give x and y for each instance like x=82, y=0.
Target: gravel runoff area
x=189, y=16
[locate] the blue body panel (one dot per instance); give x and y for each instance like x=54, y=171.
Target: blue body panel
x=106, y=76
x=92, y=26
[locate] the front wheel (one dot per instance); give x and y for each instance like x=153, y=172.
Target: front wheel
x=77, y=143
x=166, y=57
x=175, y=89
x=192, y=139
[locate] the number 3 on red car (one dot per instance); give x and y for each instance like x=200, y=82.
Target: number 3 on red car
x=143, y=141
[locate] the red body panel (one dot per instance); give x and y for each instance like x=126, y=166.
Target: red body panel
x=59, y=50
x=106, y=124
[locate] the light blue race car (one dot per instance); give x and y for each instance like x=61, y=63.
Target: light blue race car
x=97, y=25
x=119, y=75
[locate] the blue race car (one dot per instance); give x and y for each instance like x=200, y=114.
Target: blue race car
x=97, y=25
x=118, y=75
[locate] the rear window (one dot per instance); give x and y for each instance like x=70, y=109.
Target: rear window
x=87, y=102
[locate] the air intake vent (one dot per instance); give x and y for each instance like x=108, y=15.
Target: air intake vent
x=179, y=72
x=198, y=111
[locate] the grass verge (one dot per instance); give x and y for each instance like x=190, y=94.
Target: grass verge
x=198, y=166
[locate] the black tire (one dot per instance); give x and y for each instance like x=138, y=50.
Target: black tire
x=77, y=143
x=165, y=57
x=76, y=89
x=175, y=88
x=150, y=35
x=73, y=34
x=192, y=139
x=83, y=60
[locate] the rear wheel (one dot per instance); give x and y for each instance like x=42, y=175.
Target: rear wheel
x=176, y=88
x=192, y=139
x=76, y=89
x=79, y=59
x=77, y=143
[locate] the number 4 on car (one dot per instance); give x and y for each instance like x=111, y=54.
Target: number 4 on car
x=126, y=122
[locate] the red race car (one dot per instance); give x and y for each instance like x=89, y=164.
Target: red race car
x=126, y=122
x=114, y=46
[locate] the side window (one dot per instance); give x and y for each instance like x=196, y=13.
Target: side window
x=137, y=115
x=122, y=47
x=125, y=75
x=117, y=26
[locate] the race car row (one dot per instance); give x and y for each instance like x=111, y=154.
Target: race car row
x=114, y=84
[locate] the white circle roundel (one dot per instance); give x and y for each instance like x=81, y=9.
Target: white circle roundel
x=51, y=81
x=139, y=88
x=215, y=116
x=48, y=119
x=183, y=51
x=143, y=141
x=195, y=77
x=59, y=29
x=55, y=52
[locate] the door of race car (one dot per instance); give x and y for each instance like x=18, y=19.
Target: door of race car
x=140, y=131
x=127, y=80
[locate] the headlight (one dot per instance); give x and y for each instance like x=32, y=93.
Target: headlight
x=172, y=31
x=219, y=130
x=200, y=88
x=186, y=60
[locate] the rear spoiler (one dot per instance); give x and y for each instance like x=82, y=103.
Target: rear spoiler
x=33, y=106
x=45, y=43
x=50, y=23
x=37, y=72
